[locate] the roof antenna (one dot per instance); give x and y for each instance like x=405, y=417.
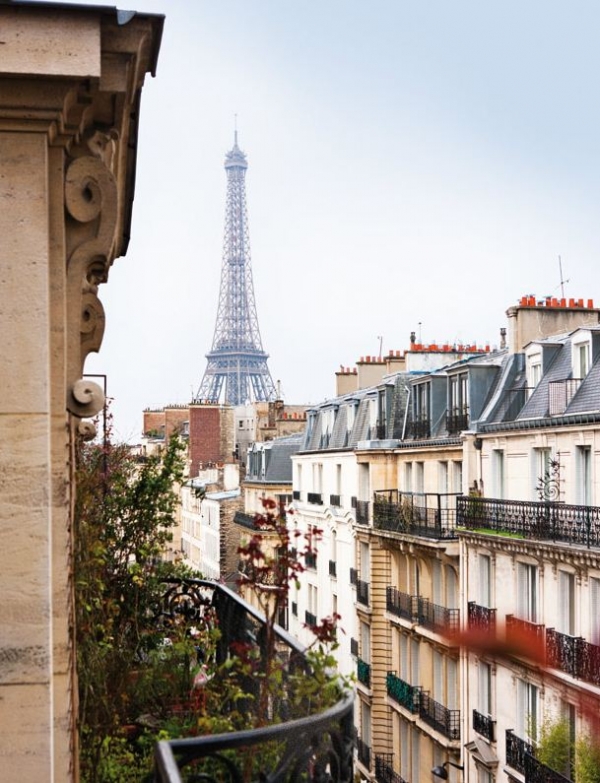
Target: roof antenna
x=562, y=282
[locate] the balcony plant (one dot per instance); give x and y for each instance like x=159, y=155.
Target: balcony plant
x=147, y=673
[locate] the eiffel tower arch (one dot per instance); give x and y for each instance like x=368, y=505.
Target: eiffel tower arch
x=237, y=370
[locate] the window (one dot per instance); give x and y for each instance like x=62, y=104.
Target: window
x=365, y=561
x=365, y=642
x=527, y=717
x=442, y=477
x=403, y=663
x=459, y=394
x=582, y=360
x=414, y=662
x=313, y=600
x=365, y=723
x=595, y=610
x=485, y=573
x=566, y=603
x=419, y=476
x=318, y=478
x=534, y=368
x=364, y=488
x=484, y=701
x=457, y=476
x=408, y=477
x=451, y=588
x=436, y=578
x=422, y=402
x=527, y=592
x=338, y=479
x=583, y=475
x=405, y=750
x=498, y=473
x=415, y=754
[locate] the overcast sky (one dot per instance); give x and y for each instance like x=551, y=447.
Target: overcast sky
x=413, y=165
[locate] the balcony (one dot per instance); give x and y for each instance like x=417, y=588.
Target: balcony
x=246, y=520
x=536, y=772
x=481, y=618
x=335, y=500
x=421, y=610
x=573, y=655
x=560, y=394
x=436, y=617
x=400, y=604
x=363, y=753
x=332, y=568
x=535, y=520
x=286, y=747
x=402, y=693
x=516, y=750
x=384, y=770
x=362, y=512
x=296, y=495
x=362, y=592
x=314, y=497
x=310, y=618
x=419, y=429
x=484, y=725
x=426, y=514
x=524, y=628
x=363, y=672
x=440, y=718
x=457, y=420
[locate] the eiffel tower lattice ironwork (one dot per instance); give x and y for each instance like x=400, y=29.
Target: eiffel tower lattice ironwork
x=237, y=370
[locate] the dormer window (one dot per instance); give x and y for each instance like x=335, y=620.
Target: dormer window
x=582, y=360
x=534, y=368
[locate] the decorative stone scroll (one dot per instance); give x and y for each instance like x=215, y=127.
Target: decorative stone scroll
x=91, y=220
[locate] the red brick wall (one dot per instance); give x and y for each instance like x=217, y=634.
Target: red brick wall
x=154, y=421
x=174, y=418
x=205, y=436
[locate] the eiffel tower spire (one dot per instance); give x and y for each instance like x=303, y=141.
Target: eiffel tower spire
x=237, y=369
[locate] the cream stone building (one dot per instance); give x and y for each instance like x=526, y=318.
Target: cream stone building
x=70, y=88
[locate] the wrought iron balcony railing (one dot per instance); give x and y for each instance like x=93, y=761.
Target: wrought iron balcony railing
x=457, y=420
x=290, y=748
x=362, y=512
x=484, y=725
x=314, y=497
x=246, y=520
x=363, y=672
x=362, y=592
x=363, y=753
x=426, y=514
x=481, y=617
x=421, y=610
x=516, y=749
x=436, y=617
x=401, y=604
x=536, y=772
x=296, y=494
x=440, y=718
x=524, y=627
x=402, y=692
x=560, y=394
x=537, y=520
x=419, y=428
x=384, y=769
x=310, y=618
x=332, y=568
x=335, y=500
x=573, y=655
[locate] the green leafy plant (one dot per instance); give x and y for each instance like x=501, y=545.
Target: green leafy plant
x=587, y=759
x=554, y=746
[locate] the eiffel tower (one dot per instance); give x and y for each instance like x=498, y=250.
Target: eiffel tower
x=237, y=363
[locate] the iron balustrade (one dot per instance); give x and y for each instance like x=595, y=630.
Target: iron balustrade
x=363, y=753
x=310, y=618
x=384, y=769
x=436, y=617
x=314, y=497
x=534, y=631
x=335, y=500
x=484, y=725
x=481, y=617
x=421, y=610
x=402, y=692
x=573, y=655
x=296, y=494
x=426, y=514
x=419, y=428
x=362, y=592
x=516, y=749
x=362, y=512
x=536, y=772
x=560, y=394
x=332, y=568
x=294, y=749
x=363, y=672
x=401, y=604
x=457, y=420
x=246, y=520
x=440, y=718
x=537, y=520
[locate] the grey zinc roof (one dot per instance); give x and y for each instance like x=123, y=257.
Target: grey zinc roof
x=537, y=406
x=279, y=469
x=587, y=398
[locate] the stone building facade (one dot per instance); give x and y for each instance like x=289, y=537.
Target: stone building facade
x=70, y=87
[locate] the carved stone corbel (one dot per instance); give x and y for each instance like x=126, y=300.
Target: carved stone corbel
x=91, y=221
